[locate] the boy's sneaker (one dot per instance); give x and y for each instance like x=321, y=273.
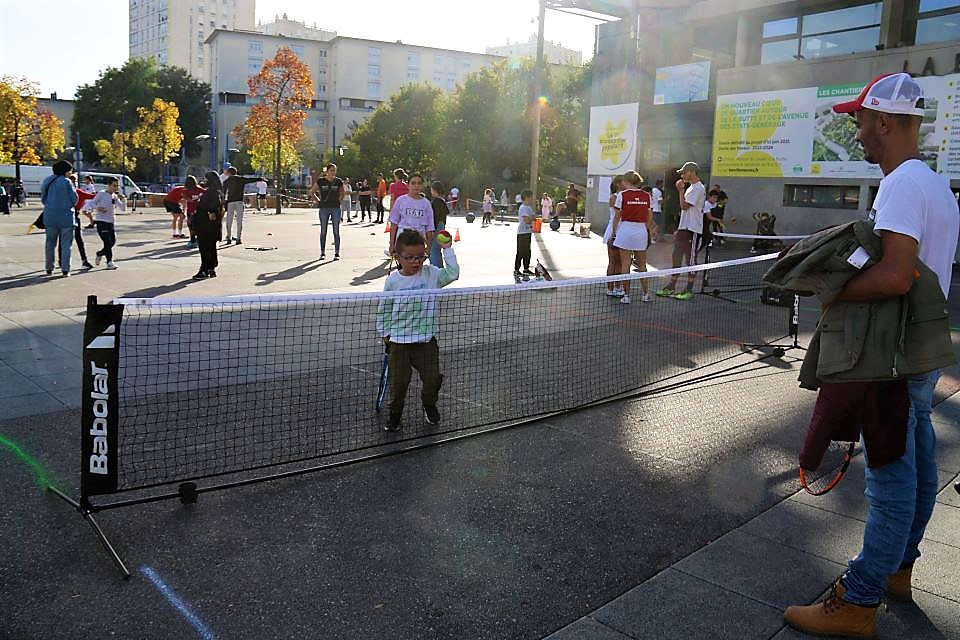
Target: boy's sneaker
x=684, y=295
x=227, y=241
x=527, y=272
x=238, y=240
x=111, y=266
x=613, y=293
x=86, y=265
x=200, y=275
x=517, y=273
x=211, y=273
x=645, y=297
x=625, y=299
x=393, y=424
x=666, y=292
x=98, y=260
x=49, y=272
x=431, y=413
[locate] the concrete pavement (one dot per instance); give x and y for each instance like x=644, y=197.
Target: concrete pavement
x=634, y=498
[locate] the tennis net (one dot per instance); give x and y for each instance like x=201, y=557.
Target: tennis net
x=209, y=387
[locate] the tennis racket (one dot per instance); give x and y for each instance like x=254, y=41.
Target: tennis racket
x=384, y=377
x=818, y=486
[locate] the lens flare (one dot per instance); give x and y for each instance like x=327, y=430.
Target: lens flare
x=38, y=471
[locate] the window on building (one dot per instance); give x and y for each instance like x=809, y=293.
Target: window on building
x=373, y=89
x=255, y=46
x=352, y=103
x=939, y=21
x=233, y=98
x=823, y=34
x=321, y=88
x=451, y=84
x=323, y=53
x=413, y=59
x=373, y=71
x=254, y=67
x=821, y=196
x=319, y=105
x=373, y=55
x=438, y=77
x=438, y=60
x=413, y=74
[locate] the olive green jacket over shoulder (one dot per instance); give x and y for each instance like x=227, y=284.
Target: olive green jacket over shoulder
x=863, y=341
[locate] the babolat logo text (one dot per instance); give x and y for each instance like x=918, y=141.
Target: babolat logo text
x=101, y=410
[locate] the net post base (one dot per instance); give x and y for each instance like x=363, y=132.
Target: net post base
x=88, y=516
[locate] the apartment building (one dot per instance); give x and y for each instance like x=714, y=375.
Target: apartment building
x=553, y=53
x=351, y=76
x=173, y=32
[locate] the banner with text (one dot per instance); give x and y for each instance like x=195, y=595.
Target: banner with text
x=796, y=133
x=613, y=139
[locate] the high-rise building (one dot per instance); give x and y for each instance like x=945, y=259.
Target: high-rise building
x=172, y=32
x=552, y=53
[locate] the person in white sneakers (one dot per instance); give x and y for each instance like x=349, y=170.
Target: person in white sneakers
x=614, y=289
x=630, y=230
x=104, y=206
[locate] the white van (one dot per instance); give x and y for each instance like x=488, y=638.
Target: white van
x=130, y=188
x=32, y=177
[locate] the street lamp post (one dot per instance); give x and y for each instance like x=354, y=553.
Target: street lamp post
x=537, y=105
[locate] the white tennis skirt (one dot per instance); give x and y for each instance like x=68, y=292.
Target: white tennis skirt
x=632, y=236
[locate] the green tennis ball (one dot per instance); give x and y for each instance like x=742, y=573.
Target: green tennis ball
x=443, y=237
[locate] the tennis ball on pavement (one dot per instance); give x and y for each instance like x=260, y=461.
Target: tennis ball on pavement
x=443, y=237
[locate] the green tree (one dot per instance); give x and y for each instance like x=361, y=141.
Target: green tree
x=113, y=99
x=403, y=132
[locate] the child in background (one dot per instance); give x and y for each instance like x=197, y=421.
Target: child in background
x=411, y=211
x=105, y=205
x=524, y=234
x=440, y=213
x=487, y=206
x=408, y=325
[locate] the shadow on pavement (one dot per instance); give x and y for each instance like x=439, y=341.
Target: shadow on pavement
x=377, y=272
x=153, y=292
x=265, y=279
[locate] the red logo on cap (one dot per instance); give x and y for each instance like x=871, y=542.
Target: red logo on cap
x=874, y=101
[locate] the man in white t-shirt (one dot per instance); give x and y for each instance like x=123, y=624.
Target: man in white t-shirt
x=916, y=217
x=261, y=193
x=692, y=196
x=656, y=206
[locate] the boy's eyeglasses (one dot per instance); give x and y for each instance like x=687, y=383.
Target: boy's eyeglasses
x=414, y=258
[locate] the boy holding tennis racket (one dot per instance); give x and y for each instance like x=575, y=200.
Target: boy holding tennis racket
x=408, y=324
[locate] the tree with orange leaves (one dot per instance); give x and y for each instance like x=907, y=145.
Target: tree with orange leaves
x=29, y=134
x=285, y=90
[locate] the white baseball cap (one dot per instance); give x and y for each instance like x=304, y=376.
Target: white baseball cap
x=896, y=93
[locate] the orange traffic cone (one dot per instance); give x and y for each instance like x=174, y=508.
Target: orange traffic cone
x=456, y=238
x=387, y=228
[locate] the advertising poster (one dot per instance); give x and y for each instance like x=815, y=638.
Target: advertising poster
x=682, y=83
x=613, y=139
x=796, y=133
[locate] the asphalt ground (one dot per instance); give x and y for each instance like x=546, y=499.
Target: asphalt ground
x=511, y=534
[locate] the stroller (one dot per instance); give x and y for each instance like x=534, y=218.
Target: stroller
x=766, y=227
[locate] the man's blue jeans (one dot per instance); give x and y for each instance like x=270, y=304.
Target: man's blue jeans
x=327, y=214
x=65, y=235
x=901, y=496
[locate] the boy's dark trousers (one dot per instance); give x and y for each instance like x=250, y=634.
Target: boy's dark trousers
x=425, y=358
x=379, y=210
x=523, y=251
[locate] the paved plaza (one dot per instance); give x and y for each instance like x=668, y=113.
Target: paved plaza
x=670, y=516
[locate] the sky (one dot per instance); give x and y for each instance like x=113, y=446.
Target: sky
x=58, y=55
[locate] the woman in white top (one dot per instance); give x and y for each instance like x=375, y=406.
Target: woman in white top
x=488, y=197
x=87, y=210
x=347, y=204
x=546, y=205
x=614, y=289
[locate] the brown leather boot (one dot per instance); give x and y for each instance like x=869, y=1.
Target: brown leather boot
x=898, y=585
x=833, y=617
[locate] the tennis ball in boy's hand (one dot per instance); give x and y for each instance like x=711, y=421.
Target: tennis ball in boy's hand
x=443, y=237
